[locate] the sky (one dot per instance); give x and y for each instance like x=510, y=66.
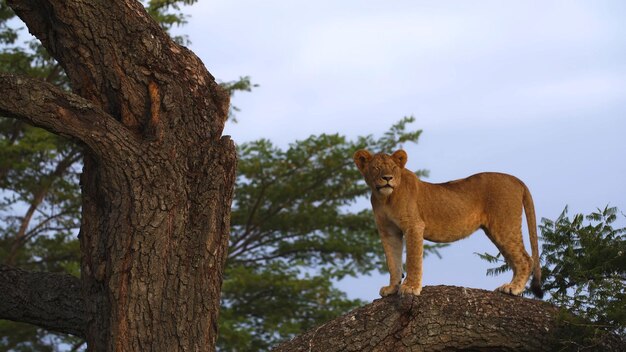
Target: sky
x=536, y=89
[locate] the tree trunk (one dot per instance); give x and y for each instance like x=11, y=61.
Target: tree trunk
x=158, y=175
x=447, y=318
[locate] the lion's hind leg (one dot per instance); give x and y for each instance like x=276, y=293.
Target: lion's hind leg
x=510, y=244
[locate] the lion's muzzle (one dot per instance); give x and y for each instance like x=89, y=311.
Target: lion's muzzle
x=385, y=189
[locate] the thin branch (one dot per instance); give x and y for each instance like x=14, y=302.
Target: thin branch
x=256, y=205
x=249, y=228
x=245, y=248
x=38, y=197
x=277, y=253
x=50, y=300
x=232, y=257
x=77, y=346
x=60, y=112
x=273, y=212
x=253, y=232
x=53, y=259
x=42, y=227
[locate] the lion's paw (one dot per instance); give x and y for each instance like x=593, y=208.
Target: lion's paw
x=510, y=289
x=407, y=289
x=389, y=290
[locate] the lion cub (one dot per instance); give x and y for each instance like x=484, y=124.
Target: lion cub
x=406, y=207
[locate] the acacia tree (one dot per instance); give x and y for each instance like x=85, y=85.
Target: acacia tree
x=157, y=175
x=280, y=257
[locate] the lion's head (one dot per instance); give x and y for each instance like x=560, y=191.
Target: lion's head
x=382, y=172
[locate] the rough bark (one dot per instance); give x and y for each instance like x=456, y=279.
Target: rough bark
x=158, y=175
x=50, y=300
x=66, y=114
x=445, y=318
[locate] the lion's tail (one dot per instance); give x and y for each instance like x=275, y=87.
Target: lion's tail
x=529, y=208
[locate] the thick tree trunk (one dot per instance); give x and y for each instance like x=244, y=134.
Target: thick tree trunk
x=447, y=318
x=158, y=176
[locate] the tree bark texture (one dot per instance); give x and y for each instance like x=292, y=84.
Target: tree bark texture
x=50, y=300
x=444, y=318
x=158, y=176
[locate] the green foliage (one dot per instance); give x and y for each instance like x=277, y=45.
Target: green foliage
x=584, y=264
x=20, y=337
x=584, y=269
x=161, y=11
x=263, y=304
x=28, y=58
x=495, y=259
x=38, y=171
x=8, y=35
x=243, y=84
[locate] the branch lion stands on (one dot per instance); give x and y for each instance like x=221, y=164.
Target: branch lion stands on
x=405, y=206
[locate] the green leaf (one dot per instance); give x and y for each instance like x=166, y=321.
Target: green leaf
x=584, y=267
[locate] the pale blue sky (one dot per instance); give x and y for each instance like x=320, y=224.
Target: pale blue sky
x=536, y=89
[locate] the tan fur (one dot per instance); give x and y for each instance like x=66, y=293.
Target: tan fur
x=405, y=206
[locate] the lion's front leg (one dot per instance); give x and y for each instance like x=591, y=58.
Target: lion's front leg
x=392, y=245
x=412, y=285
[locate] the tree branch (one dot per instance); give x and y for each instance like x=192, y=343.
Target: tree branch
x=50, y=300
x=103, y=67
x=60, y=112
x=446, y=318
x=38, y=196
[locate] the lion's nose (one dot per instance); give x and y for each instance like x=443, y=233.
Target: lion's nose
x=387, y=178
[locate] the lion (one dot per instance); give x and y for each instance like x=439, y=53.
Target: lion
x=405, y=206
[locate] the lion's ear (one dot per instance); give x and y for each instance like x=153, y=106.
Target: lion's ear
x=361, y=158
x=400, y=157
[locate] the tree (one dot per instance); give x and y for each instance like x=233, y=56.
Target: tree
x=584, y=270
x=29, y=151
x=39, y=172
x=157, y=177
x=246, y=324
